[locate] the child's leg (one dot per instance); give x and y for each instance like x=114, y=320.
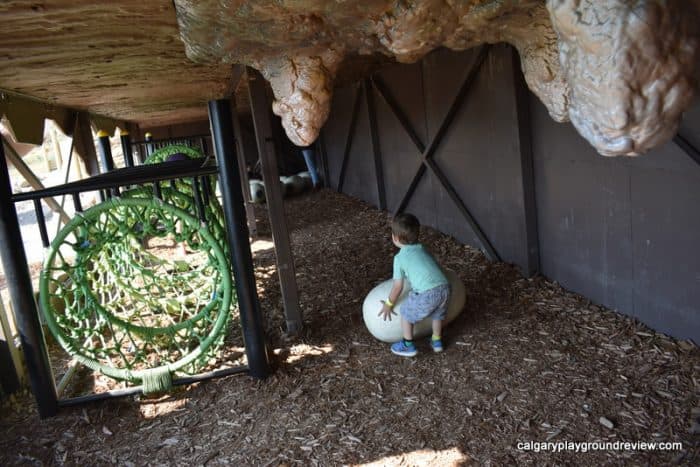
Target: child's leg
x=405, y=347
x=407, y=329
x=437, y=328
x=436, y=339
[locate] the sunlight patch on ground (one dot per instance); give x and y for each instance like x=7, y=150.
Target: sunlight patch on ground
x=152, y=408
x=424, y=457
x=297, y=352
x=261, y=245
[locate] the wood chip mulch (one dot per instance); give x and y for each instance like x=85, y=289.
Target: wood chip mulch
x=526, y=361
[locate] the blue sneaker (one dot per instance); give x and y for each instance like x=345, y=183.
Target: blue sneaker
x=403, y=349
x=436, y=344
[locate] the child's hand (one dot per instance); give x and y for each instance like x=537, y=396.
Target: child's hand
x=386, y=311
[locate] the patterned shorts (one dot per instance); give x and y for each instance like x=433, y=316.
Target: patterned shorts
x=432, y=302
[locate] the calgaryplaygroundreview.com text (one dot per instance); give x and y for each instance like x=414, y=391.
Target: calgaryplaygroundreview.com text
x=546, y=446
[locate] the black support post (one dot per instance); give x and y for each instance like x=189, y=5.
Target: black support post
x=105, y=151
x=241, y=257
x=14, y=262
x=260, y=109
x=41, y=222
x=198, y=202
x=9, y=382
x=243, y=169
x=76, y=202
x=126, y=149
x=149, y=145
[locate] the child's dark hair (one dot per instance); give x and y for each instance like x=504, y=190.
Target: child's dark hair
x=406, y=228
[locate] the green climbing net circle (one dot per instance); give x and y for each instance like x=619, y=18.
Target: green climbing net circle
x=121, y=310
x=162, y=154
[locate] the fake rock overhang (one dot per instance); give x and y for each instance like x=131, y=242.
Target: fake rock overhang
x=622, y=71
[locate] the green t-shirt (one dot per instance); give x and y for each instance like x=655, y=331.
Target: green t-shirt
x=413, y=262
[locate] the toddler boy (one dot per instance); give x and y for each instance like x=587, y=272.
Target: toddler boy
x=430, y=288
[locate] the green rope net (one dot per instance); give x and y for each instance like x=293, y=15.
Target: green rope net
x=215, y=212
x=118, y=299
x=162, y=154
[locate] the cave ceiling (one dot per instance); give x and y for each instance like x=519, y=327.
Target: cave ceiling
x=622, y=72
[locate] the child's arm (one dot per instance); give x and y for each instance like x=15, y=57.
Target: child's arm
x=387, y=310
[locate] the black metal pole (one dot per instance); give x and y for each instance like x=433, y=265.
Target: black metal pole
x=199, y=205
x=149, y=145
x=14, y=261
x=41, y=222
x=136, y=390
x=105, y=151
x=237, y=228
x=126, y=149
x=206, y=190
x=76, y=202
x=156, y=191
x=9, y=382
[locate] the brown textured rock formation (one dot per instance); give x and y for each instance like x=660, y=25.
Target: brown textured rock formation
x=629, y=66
x=303, y=85
x=621, y=70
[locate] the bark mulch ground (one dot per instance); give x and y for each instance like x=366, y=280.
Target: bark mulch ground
x=526, y=361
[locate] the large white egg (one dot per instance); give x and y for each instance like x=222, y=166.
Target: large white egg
x=390, y=331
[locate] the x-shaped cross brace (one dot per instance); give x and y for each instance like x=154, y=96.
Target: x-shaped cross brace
x=428, y=152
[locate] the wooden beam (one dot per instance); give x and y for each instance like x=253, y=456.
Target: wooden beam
x=321, y=147
x=446, y=122
x=397, y=111
x=688, y=148
x=237, y=74
x=243, y=168
x=348, y=139
x=260, y=109
x=527, y=169
x=85, y=144
x=490, y=251
x=374, y=139
x=33, y=180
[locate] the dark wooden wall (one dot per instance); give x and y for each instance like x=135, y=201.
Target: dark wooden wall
x=479, y=153
x=621, y=231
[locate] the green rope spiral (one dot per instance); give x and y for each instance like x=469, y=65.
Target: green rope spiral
x=123, y=310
